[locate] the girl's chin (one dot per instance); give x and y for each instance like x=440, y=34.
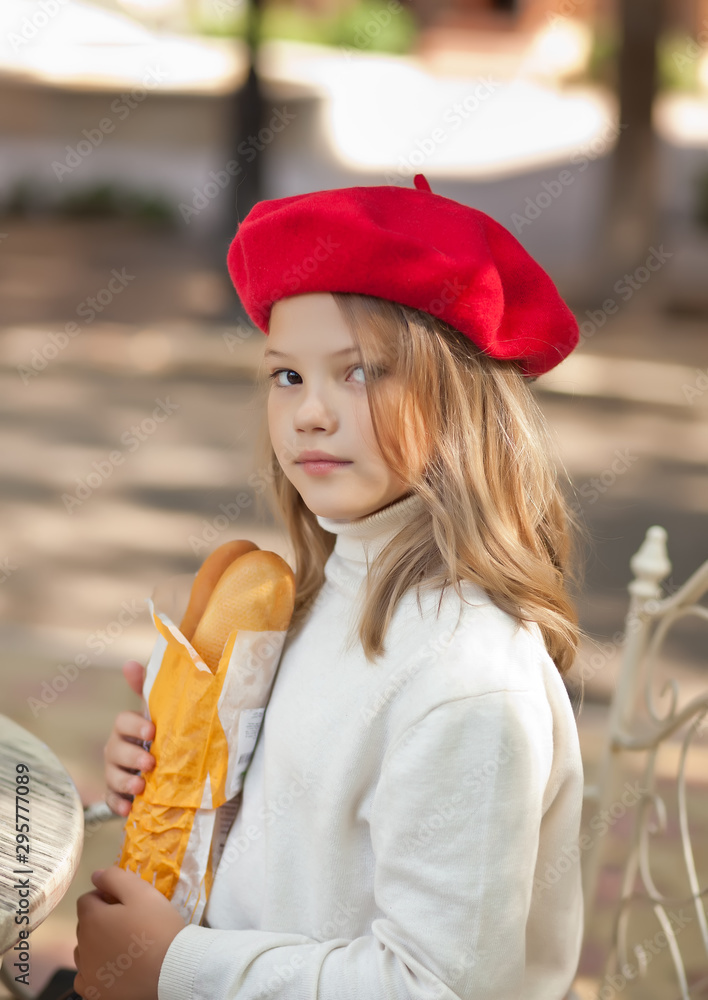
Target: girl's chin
x=336, y=513
x=337, y=510
x=344, y=511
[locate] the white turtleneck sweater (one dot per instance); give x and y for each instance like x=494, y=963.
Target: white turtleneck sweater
x=408, y=828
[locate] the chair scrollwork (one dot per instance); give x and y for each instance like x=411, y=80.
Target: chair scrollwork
x=642, y=723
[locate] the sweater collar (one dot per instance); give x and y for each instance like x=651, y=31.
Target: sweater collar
x=362, y=538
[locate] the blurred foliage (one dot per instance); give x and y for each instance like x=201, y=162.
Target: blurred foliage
x=678, y=59
x=604, y=53
x=99, y=201
x=110, y=200
x=679, y=62
x=372, y=25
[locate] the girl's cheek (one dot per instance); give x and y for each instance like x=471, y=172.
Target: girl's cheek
x=275, y=422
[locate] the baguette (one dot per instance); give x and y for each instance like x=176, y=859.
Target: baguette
x=205, y=719
x=256, y=593
x=207, y=578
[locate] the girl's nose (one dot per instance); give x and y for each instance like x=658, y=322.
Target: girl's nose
x=314, y=412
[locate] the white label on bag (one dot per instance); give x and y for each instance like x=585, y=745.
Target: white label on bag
x=249, y=725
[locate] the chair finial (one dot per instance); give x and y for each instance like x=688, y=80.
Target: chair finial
x=650, y=564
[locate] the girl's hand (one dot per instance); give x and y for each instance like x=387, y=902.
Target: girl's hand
x=123, y=755
x=124, y=930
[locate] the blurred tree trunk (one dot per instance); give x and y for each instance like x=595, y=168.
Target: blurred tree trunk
x=249, y=119
x=633, y=223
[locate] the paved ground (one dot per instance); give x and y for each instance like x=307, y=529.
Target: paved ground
x=102, y=497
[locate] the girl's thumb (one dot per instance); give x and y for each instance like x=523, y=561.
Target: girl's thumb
x=100, y=879
x=134, y=673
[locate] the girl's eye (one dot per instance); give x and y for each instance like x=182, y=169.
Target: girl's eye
x=359, y=373
x=275, y=377
x=284, y=377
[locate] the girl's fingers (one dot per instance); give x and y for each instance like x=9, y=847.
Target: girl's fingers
x=118, y=804
x=130, y=755
x=123, y=782
x=135, y=725
x=134, y=673
x=124, y=755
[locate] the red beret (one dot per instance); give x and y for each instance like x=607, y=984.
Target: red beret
x=410, y=246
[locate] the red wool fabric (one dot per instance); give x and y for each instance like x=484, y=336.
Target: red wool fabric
x=410, y=246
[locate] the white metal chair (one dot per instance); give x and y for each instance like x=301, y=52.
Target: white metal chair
x=94, y=815
x=638, y=730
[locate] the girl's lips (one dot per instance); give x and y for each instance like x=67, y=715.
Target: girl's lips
x=320, y=466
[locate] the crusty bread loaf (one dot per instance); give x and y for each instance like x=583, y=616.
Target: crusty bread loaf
x=201, y=749
x=255, y=593
x=207, y=578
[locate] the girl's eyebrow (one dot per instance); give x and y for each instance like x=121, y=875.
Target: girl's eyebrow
x=335, y=354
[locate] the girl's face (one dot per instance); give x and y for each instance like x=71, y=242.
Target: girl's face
x=318, y=411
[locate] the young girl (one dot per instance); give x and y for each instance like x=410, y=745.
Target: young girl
x=409, y=821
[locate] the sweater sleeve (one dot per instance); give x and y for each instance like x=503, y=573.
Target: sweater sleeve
x=454, y=825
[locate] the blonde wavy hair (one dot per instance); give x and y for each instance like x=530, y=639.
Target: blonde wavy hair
x=465, y=431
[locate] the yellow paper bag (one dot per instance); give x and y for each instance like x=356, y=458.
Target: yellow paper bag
x=206, y=725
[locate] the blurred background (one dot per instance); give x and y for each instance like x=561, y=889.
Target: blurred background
x=136, y=134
